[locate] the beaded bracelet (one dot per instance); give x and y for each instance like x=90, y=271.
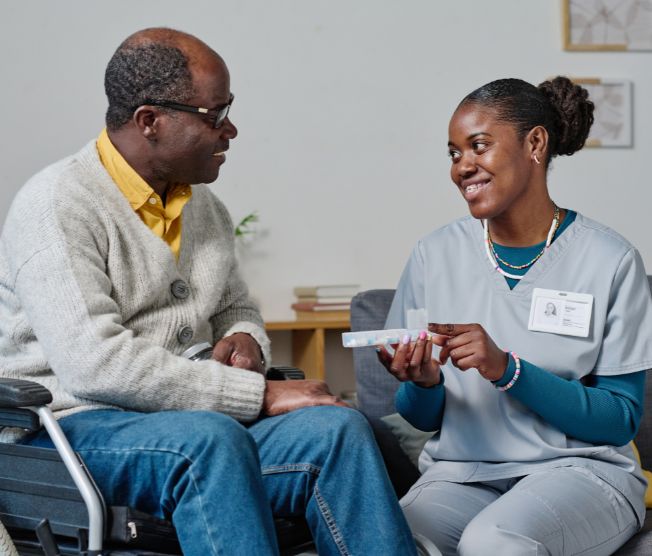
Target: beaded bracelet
x=517, y=373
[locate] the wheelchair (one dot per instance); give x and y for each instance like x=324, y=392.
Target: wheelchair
x=50, y=506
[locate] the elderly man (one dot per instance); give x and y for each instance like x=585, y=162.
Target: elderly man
x=111, y=266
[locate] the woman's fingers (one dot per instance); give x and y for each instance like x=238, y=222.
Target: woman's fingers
x=411, y=360
x=389, y=362
x=451, y=329
x=384, y=356
x=399, y=362
x=427, y=353
x=464, y=359
x=416, y=360
x=450, y=345
x=461, y=356
x=439, y=340
x=402, y=354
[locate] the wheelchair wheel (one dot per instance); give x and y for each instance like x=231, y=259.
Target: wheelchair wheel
x=7, y=547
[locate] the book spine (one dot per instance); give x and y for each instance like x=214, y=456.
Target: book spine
x=324, y=299
x=321, y=306
x=318, y=291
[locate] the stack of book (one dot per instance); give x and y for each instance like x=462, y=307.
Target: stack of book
x=329, y=302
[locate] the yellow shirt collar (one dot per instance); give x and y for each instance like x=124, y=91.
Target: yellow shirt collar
x=133, y=187
x=164, y=221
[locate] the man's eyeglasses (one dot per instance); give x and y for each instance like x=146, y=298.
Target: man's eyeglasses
x=215, y=115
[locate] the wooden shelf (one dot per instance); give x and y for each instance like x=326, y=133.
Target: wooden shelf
x=308, y=342
x=308, y=324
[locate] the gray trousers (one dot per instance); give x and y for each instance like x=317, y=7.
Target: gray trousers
x=562, y=511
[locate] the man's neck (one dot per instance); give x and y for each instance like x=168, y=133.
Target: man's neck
x=130, y=148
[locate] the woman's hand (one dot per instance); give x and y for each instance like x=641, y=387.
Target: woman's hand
x=469, y=346
x=412, y=361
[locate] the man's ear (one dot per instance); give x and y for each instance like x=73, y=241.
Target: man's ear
x=537, y=144
x=146, y=119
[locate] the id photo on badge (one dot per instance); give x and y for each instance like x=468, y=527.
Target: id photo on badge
x=547, y=312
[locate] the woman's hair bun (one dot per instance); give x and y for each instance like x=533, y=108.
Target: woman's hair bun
x=574, y=110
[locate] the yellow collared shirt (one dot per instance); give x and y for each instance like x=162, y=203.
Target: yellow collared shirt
x=163, y=220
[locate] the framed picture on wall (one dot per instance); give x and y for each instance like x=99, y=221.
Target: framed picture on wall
x=607, y=24
x=613, y=111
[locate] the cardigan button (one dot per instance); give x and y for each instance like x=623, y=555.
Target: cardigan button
x=184, y=335
x=180, y=289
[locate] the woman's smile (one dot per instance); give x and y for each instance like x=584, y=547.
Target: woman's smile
x=473, y=190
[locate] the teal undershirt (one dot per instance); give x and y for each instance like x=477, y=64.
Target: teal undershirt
x=522, y=255
x=604, y=410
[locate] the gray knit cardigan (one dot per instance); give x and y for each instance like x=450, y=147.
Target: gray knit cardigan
x=86, y=305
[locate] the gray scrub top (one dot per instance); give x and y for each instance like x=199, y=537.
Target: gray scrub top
x=485, y=433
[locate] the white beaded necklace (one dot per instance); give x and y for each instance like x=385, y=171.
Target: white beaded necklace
x=488, y=245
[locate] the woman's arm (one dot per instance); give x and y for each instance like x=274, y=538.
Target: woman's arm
x=607, y=411
x=422, y=407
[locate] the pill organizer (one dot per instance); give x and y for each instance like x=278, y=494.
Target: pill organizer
x=378, y=337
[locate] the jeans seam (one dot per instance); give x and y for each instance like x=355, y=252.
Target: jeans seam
x=330, y=523
x=291, y=467
x=176, y=453
x=325, y=510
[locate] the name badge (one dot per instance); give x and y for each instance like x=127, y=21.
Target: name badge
x=559, y=312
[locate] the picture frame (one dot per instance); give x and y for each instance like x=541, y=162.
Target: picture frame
x=607, y=25
x=612, y=126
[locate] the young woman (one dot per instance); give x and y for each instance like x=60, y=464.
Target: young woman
x=533, y=415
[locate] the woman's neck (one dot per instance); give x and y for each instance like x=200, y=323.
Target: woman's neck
x=522, y=228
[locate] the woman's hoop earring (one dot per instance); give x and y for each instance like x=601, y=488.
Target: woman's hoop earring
x=536, y=159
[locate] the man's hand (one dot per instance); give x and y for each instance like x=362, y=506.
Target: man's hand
x=283, y=396
x=469, y=346
x=412, y=361
x=240, y=350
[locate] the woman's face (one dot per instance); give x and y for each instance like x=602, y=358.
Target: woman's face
x=489, y=164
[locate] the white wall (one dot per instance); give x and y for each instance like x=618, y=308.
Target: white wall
x=342, y=108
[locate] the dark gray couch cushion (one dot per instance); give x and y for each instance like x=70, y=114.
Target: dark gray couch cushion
x=641, y=543
x=375, y=387
x=644, y=437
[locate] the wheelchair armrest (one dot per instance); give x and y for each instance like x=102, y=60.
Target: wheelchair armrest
x=22, y=393
x=16, y=394
x=282, y=372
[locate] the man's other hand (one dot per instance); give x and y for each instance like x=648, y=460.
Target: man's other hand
x=283, y=396
x=240, y=350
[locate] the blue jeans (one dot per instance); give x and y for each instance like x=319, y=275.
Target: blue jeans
x=221, y=483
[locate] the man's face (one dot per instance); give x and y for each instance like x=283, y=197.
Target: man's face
x=189, y=149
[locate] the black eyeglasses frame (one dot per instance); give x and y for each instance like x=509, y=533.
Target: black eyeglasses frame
x=218, y=114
